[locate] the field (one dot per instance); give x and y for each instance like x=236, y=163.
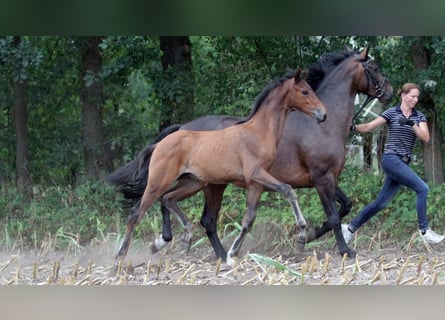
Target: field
x=262, y=261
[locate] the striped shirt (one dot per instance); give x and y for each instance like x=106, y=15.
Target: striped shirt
x=401, y=138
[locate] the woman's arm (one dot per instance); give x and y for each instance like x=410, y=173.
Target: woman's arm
x=422, y=131
x=367, y=127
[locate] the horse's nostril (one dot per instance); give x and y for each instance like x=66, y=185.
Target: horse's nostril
x=320, y=116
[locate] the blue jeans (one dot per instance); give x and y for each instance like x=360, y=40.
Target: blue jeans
x=397, y=173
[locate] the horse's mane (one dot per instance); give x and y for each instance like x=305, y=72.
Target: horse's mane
x=321, y=68
x=265, y=93
x=316, y=74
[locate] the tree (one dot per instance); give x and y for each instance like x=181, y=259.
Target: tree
x=432, y=156
x=177, y=89
x=20, y=115
x=96, y=159
x=18, y=56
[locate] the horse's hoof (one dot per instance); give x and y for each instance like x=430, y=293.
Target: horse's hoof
x=158, y=245
x=310, y=235
x=232, y=261
x=153, y=248
x=186, y=245
x=301, y=242
x=350, y=253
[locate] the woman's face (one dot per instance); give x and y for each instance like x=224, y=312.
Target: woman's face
x=410, y=98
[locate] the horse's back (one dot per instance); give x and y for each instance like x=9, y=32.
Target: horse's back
x=209, y=155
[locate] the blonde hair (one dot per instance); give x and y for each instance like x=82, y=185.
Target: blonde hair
x=407, y=87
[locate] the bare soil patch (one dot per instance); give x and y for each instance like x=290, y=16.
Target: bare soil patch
x=263, y=261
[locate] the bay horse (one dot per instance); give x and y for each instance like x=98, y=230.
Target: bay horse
x=307, y=155
x=240, y=154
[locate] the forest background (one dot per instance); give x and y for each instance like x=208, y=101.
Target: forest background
x=72, y=109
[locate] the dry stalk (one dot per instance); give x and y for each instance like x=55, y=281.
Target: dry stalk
x=326, y=263
x=411, y=242
x=119, y=268
x=34, y=270
x=343, y=262
x=357, y=268
x=379, y=243
x=218, y=266
x=56, y=268
x=410, y=281
x=158, y=269
x=7, y=263
x=370, y=243
x=435, y=279
x=440, y=265
x=314, y=263
x=402, y=271
x=419, y=265
x=76, y=270
x=377, y=277
x=421, y=279
x=90, y=266
x=381, y=259
x=303, y=272
x=182, y=277
x=167, y=265
x=434, y=264
x=249, y=281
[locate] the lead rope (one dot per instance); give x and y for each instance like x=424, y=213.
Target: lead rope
x=367, y=101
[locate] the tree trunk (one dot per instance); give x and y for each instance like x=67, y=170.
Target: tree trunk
x=367, y=153
x=96, y=158
x=432, y=157
x=177, y=92
x=20, y=115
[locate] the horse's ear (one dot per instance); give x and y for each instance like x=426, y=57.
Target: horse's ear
x=298, y=75
x=349, y=49
x=365, y=52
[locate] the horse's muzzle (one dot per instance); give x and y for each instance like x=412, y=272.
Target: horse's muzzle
x=320, y=115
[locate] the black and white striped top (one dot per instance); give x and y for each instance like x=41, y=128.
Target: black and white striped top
x=401, y=138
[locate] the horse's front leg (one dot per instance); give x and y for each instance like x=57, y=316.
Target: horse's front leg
x=271, y=183
x=345, y=209
x=253, y=197
x=327, y=191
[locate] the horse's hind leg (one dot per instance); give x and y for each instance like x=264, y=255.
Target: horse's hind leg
x=166, y=236
x=345, y=209
x=185, y=188
x=213, y=199
x=146, y=202
x=253, y=197
x=327, y=192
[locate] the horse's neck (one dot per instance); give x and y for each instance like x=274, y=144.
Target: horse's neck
x=268, y=122
x=338, y=95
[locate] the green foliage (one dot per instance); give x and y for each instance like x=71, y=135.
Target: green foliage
x=92, y=210
x=87, y=211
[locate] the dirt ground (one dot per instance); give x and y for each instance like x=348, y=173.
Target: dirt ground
x=262, y=261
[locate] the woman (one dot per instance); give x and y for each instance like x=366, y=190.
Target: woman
x=405, y=124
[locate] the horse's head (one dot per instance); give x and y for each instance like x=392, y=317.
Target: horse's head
x=375, y=85
x=302, y=97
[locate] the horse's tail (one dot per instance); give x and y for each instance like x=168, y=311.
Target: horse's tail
x=131, y=179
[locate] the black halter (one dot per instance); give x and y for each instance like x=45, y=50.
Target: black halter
x=379, y=92
x=378, y=86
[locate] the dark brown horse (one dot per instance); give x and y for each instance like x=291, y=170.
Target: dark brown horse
x=240, y=154
x=308, y=155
